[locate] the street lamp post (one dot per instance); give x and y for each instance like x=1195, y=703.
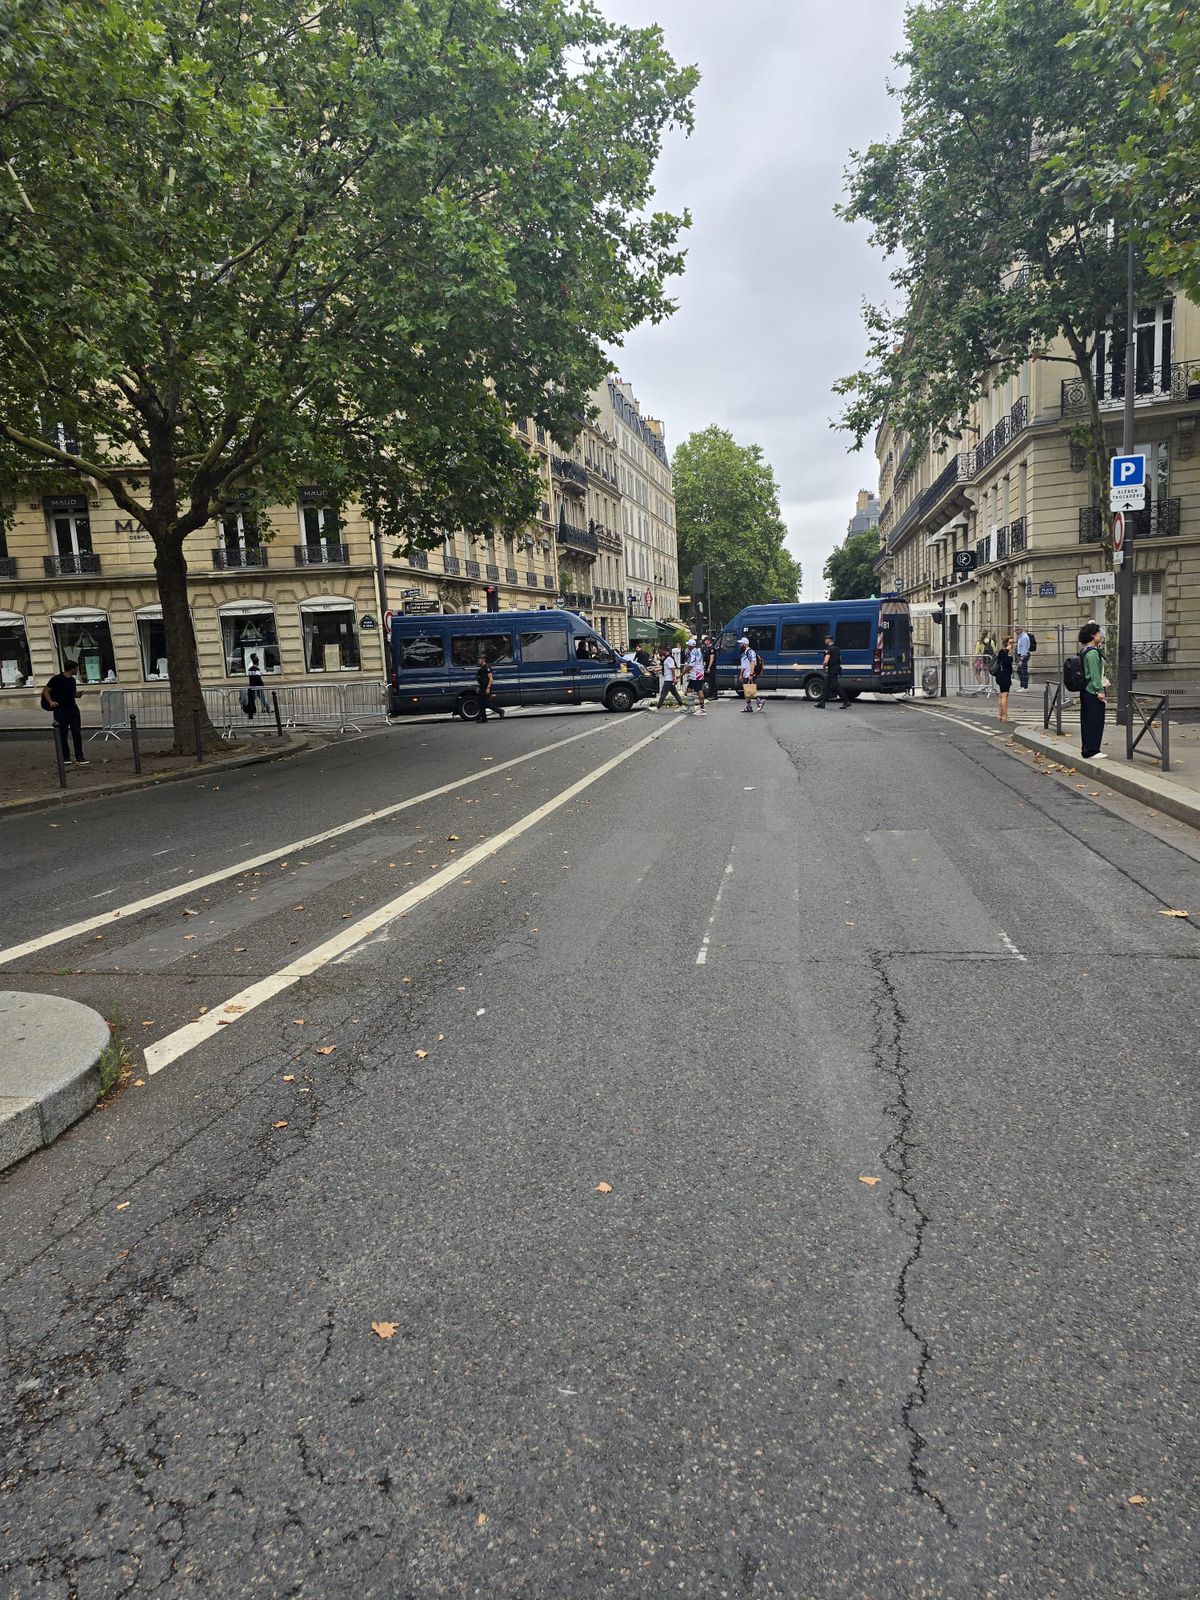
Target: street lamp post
x=1125, y=570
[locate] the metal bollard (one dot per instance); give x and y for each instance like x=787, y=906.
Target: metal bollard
x=137, y=744
x=58, y=756
x=278, y=719
x=199, y=737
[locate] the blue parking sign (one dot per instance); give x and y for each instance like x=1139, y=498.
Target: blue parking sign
x=1128, y=472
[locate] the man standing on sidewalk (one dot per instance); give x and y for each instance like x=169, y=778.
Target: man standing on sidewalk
x=1092, y=700
x=1023, y=658
x=60, y=696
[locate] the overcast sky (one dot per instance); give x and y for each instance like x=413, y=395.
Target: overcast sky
x=769, y=306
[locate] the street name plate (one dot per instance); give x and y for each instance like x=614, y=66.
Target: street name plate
x=1088, y=584
x=1132, y=498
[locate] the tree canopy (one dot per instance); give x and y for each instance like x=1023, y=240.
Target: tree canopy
x=850, y=570
x=243, y=247
x=727, y=516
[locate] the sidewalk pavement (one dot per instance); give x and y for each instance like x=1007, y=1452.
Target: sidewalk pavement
x=1174, y=794
x=49, y=1069
x=29, y=770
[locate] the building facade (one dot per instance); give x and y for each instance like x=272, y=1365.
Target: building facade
x=77, y=575
x=1013, y=488
x=866, y=513
x=651, y=552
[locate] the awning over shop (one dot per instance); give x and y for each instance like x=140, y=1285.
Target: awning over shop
x=643, y=628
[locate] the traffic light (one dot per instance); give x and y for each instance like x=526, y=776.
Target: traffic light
x=493, y=597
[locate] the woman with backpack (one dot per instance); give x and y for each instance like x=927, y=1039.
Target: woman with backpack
x=1002, y=671
x=1091, y=696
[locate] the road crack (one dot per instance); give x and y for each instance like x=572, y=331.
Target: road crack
x=910, y=1216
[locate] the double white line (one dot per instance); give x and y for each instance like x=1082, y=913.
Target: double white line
x=192, y=1033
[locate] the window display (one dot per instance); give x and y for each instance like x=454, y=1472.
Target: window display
x=15, y=670
x=249, y=633
x=330, y=637
x=85, y=637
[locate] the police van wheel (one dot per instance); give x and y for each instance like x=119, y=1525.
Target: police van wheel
x=468, y=708
x=812, y=689
x=620, y=698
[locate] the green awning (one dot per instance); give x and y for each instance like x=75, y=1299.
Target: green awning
x=643, y=629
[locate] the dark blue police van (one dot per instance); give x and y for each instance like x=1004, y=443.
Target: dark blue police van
x=538, y=658
x=874, y=637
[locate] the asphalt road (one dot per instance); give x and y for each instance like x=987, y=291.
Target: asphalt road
x=882, y=1041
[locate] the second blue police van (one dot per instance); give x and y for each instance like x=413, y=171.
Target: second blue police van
x=874, y=637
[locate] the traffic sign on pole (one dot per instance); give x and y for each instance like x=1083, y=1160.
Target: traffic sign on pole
x=1118, y=538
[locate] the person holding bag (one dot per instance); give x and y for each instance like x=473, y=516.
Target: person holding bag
x=1002, y=671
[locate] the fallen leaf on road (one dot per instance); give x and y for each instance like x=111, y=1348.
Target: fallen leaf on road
x=203, y=1009
x=188, y=913
x=299, y=1021
x=385, y=1330
x=452, y=838
x=464, y=880
x=326, y=1049
x=234, y=1008
x=186, y=936
x=460, y=988
x=405, y=980
x=297, y=908
x=441, y=1036
x=421, y=1054
x=1173, y=913
x=239, y=949
x=279, y=1124
x=481, y=1519
x=124, y=1205
x=604, y=1188
x=148, y=1024
x=139, y=1083
x=866, y=1178
x=489, y=758
x=1137, y=1500
x=289, y=1077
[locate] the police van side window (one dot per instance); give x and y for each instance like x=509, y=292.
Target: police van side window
x=854, y=635
x=728, y=640
x=803, y=636
x=495, y=648
x=761, y=637
x=550, y=646
x=423, y=650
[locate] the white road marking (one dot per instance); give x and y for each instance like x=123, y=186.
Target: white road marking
x=75, y=930
x=104, y=894
x=219, y=1018
x=1010, y=946
x=702, y=954
x=944, y=716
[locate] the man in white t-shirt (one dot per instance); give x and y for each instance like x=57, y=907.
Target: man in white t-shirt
x=670, y=670
x=747, y=674
x=695, y=674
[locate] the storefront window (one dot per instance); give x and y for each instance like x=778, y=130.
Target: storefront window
x=89, y=642
x=15, y=670
x=152, y=638
x=249, y=633
x=330, y=639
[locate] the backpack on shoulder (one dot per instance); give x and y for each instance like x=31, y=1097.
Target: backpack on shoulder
x=1074, y=676
x=44, y=702
x=759, y=665
x=1032, y=640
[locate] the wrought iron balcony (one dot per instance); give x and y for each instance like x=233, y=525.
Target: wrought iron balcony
x=957, y=470
x=576, y=600
x=8, y=566
x=473, y=569
x=322, y=555
x=1159, y=521
x=531, y=579
x=1005, y=431
x=548, y=580
x=1151, y=652
x=229, y=558
x=492, y=572
x=578, y=538
x=1002, y=543
x=451, y=565
x=570, y=473
x=1177, y=382
x=1016, y=535
x=84, y=562
x=510, y=574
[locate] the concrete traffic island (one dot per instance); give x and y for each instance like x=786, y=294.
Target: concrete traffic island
x=50, y=1052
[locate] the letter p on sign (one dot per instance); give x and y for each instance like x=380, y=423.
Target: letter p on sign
x=1128, y=472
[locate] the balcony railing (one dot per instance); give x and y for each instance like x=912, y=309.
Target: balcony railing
x=510, y=574
x=473, y=569
x=228, y=558
x=1016, y=535
x=1005, y=431
x=451, y=565
x=493, y=572
x=576, y=600
x=1002, y=543
x=82, y=563
x=1159, y=521
x=957, y=470
x=322, y=555
x=1151, y=652
x=570, y=473
x=578, y=538
x=548, y=580
x=531, y=579
x=8, y=566
x=1177, y=382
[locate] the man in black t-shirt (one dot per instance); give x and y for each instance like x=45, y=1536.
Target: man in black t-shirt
x=833, y=673
x=485, y=681
x=59, y=696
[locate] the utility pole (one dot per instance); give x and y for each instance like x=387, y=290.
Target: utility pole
x=1125, y=570
x=381, y=581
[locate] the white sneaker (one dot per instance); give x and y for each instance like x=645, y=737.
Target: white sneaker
x=1101, y=755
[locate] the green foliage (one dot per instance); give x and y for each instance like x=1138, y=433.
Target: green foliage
x=254, y=246
x=850, y=570
x=727, y=515
x=998, y=248
x=1145, y=165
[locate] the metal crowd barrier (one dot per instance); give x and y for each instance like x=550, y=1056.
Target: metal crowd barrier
x=331, y=707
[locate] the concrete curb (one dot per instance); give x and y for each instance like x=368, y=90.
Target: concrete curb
x=47, y=802
x=1171, y=799
x=49, y=1069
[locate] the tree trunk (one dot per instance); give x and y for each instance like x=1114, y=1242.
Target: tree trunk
x=170, y=566
x=1098, y=473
